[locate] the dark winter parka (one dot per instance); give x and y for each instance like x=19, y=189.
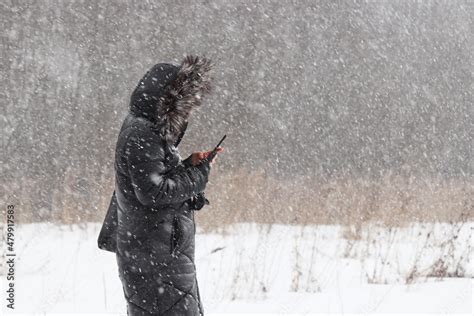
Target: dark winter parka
x=155, y=190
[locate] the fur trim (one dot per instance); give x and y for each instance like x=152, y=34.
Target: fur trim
x=185, y=92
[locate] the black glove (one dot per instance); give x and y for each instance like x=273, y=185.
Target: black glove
x=198, y=201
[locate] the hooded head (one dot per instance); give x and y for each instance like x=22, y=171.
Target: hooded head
x=167, y=94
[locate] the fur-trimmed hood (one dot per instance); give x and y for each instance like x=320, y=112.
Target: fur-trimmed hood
x=167, y=94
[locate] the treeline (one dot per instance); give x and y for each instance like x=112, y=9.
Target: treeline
x=318, y=89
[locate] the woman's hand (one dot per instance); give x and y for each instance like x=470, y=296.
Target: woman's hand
x=199, y=155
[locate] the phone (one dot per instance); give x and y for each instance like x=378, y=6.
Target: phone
x=214, y=151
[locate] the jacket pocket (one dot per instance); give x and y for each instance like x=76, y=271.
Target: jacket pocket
x=176, y=235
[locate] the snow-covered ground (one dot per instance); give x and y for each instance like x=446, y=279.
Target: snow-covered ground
x=253, y=268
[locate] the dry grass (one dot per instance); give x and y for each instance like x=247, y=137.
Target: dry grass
x=242, y=196
x=393, y=200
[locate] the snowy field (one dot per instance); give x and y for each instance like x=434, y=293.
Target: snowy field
x=262, y=269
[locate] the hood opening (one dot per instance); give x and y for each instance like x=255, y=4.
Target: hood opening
x=167, y=94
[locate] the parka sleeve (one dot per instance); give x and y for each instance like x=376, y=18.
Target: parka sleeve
x=153, y=184
x=187, y=162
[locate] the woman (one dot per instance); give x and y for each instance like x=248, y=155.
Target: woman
x=156, y=191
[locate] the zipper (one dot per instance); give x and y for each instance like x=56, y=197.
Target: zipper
x=175, y=235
